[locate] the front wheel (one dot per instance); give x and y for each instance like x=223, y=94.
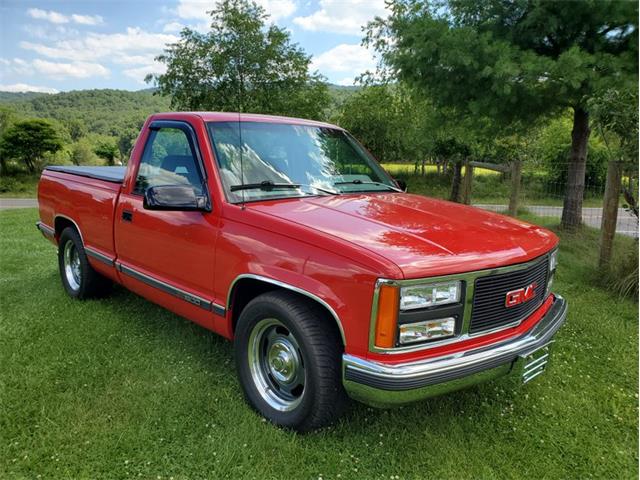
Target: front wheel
x=288, y=357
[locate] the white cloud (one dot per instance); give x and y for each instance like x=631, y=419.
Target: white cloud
x=139, y=73
x=58, y=18
x=115, y=47
x=346, y=82
x=339, y=16
x=50, y=16
x=172, y=27
x=344, y=58
x=74, y=70
x=87, y=19
x=23, y=87
x=197, y=9
x=57, y=70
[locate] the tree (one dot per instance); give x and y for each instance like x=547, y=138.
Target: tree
x=389, y=121
x=82, y=153
x=517, y=60
x=7, y=118
x=108, y=151
x=241, y=64
x=616, y=117
x=77, y=129
x=29, y=141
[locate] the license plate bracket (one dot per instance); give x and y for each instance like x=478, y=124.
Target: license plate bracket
x=535, y=363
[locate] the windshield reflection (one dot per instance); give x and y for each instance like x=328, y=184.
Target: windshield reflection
x=317, y=158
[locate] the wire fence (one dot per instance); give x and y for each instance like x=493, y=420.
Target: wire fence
x=542, y=191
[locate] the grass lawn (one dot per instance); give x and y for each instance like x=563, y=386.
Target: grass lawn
x=120, y=388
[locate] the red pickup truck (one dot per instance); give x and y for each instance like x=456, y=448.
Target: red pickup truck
x=286, y=236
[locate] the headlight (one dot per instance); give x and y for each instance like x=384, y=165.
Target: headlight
x=427, y=330
x=553, y=260
x=553, y=264
x=429, y=295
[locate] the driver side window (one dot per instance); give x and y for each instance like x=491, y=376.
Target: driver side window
x=168, y=159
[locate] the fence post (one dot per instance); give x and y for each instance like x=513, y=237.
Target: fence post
x=516, y=175
x=467, y=182
x=610, y=212
x=456, y=181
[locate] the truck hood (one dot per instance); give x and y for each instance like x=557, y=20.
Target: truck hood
x=422, y=236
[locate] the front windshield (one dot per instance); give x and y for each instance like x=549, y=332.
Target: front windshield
x=319, y=160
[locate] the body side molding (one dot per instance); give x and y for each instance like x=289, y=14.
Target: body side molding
x=171, y=290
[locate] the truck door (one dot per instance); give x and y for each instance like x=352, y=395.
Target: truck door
x=168, y=256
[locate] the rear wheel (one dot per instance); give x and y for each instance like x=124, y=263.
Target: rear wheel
x=288, y=356
x=79, y=278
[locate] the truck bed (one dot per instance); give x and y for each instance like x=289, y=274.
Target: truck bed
x=108, y=174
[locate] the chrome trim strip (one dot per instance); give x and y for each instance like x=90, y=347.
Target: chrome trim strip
x=381, y=383
x=171, y=290
x=469, y=278
x=46, y=230
x=74, y=223
x=99, y=256
x=288, y=287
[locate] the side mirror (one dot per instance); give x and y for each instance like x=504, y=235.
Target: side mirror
x=402, y=185
x=174, y=197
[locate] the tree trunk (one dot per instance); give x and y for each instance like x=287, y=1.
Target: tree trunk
x=574, y=193
x=457, y=180
x=424, y=160
x=610, y=212
x=516, y=182
x=467, y=183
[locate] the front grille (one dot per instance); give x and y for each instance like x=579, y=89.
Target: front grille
x=490, y=293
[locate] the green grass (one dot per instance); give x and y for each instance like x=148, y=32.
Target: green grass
x=119, y=388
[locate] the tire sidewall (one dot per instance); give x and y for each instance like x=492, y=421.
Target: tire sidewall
x=70, y=235
x=251, y=315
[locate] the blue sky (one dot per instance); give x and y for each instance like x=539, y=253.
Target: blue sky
x=61, y=45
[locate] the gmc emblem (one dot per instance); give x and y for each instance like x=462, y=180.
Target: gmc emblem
x=516, y=297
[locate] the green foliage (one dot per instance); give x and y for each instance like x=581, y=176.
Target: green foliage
x=104, y=112
x=510, y=60
x=82, y=153
x=388, y=121
x=29, y=140
x=107, y=150
x=241, y=64
x=615, y=113
x=622, y=275
x=550, y=148
x=76, y=128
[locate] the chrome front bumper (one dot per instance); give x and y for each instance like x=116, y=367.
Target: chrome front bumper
x=381, y=384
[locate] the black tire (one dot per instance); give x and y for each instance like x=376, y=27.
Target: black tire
x=87, y=283
x=322, y=399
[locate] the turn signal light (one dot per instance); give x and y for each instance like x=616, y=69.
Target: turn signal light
x=387, y=316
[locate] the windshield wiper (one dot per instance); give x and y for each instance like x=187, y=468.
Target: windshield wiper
x=360, y=182
x=268, y=185
x=264, y=185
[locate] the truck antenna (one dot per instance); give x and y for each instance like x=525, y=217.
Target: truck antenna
x=240, y=88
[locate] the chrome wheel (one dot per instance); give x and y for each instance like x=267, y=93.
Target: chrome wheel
x=72, y=265
x=276, y=364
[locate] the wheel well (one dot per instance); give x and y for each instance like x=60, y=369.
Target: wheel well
x=246, y=289
x=60, y=223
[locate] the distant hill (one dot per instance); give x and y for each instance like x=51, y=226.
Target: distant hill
x=11, y=96
x=101, y=111
x=107, y=111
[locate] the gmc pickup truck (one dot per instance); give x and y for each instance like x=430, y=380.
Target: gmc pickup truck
x=287, y=237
